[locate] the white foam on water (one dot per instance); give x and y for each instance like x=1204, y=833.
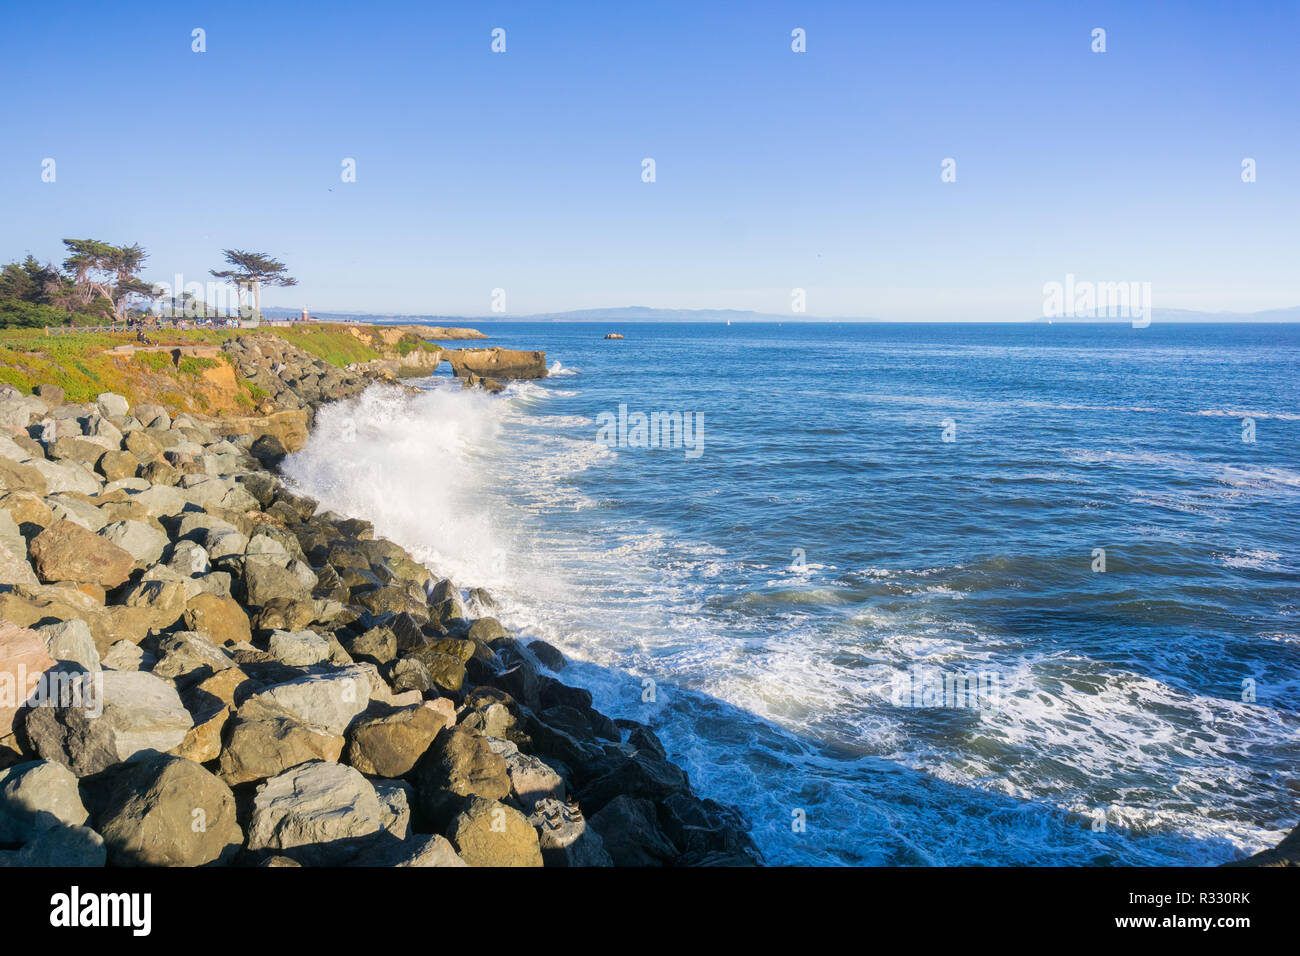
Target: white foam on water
x=769, y=703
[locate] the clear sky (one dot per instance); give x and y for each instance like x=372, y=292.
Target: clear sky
x=774, y=169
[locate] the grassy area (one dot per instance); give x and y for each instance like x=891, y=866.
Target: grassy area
x=81, y=365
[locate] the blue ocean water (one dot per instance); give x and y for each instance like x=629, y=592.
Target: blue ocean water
x=794, y=584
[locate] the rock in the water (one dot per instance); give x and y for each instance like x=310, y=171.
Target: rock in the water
x=36, y=796
x=548, y=655
x=167, y=811
x=631, y=834
x=389, y=744
x=312, y=806
x=68, y=552
x=489, y=833
x=139, y=712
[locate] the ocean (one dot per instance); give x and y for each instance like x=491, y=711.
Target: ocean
x=943, y=594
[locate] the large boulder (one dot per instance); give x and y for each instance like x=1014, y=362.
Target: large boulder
x=459, y=764
x=167, y=811
x=630, y=833
x=329, y=701
x=106, y=718
x=71, y=642
x=265, y=740
x=313, y=809
x=390, y=744
x=36, y=796
x=489, y=833
x=68, y=552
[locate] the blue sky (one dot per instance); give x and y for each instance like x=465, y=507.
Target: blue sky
x=775, y=170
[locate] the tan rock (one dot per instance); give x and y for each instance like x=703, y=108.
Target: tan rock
x=23, y=658
x=221, y=618
x=68, y=552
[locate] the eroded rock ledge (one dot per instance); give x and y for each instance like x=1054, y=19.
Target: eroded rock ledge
x=226, y=648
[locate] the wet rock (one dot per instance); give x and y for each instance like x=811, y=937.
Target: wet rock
x=547, y=655
x=630, y=833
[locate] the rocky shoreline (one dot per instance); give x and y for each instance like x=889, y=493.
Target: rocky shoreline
x=204, y=669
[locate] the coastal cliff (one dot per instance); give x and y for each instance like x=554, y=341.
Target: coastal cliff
x=188, y=636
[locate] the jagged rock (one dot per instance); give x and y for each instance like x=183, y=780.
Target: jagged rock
x=14, y=567
x=167, y=811
x=395, y=805
x=425, y=849
x=139, y=712
x=378, y=645
x=127, y=656
x=446, y=672
x=565, y=837
x=19, y=477
x=265, y=580
x=67, y=552
x=489, y=833
x=280, y=614
x=411, y=675
x=389, y=744
x=36, y=796
x=312, y=806
x=187, y=657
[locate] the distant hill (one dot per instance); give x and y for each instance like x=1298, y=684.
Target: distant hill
x=640, y=313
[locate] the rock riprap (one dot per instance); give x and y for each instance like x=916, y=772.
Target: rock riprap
x=208, y=669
